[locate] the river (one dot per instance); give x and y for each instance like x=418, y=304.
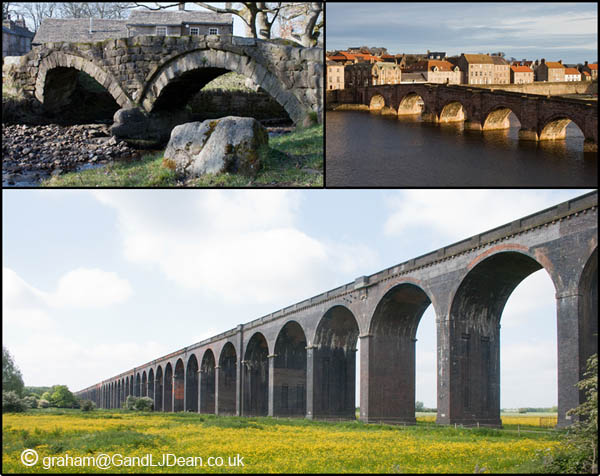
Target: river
x=364, y=149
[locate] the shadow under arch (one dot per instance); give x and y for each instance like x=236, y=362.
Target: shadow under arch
x=158, y=390
x=289, y=373
x=207, y=382
x=227, y=381
x=588, y=313
x=256, y=376
x=475, y=313
x=334, y=360
x=391, y=354
x=191, y=384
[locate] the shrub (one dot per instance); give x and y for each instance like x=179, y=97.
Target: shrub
x=144, y=404
x=130, y=402
x=31, y=401
x=43, y=403
x=87, y=405
x=12, y=403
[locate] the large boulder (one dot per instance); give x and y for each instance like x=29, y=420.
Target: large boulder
x=230, y=144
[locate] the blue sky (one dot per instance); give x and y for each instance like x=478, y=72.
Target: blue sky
x=554, y=31
x=96, y=282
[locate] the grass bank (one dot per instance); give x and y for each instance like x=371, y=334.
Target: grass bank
x=265, y=444
x=292, y=160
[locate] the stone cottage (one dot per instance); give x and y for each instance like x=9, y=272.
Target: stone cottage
x=16, y=38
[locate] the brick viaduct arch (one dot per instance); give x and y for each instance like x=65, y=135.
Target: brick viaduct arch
x=136, y=70
x=541, y=117
x=301, y=360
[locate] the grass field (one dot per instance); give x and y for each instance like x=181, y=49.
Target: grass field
x=265, y=444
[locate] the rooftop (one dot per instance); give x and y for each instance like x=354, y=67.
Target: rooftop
x=175, y=18
x=78, y=30
x=521, y=69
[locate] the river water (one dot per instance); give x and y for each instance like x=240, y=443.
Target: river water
x=365, y=149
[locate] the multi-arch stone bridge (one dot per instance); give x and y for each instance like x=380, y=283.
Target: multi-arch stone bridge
x=541, y=117
x=155, y=73
x=301, y=360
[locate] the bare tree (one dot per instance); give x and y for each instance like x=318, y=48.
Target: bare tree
x=36, y=12
x=302, y=21
x=109, y=10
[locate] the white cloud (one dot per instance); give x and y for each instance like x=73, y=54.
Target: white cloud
x=90, y=288
x=17, y=294
x=237, y=245
x=457, y=215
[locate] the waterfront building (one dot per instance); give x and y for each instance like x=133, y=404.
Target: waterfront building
x=335, y=75
x=550, y=71
x=592, y=69
x=437, y=71
x=521, y=75
x=385, y=73
x=358, y=75
x=16, y=38
x=476, y=69
x=572, y=74
x=501, y=74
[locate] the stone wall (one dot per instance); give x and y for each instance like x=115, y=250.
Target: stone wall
x=210, y=104
x=135, y=70
x=550, y=89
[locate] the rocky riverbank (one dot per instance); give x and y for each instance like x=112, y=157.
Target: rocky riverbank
x=32, y=153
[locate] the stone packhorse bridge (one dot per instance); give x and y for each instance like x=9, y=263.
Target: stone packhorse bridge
x=153, y=73
x=301, y=360
x=542, y=117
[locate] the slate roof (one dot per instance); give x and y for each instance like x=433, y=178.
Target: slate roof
x=78, y=30
x=177, y=17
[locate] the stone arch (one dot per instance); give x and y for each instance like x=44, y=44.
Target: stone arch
x=227, y=380
x=452, y=111
x=256, y=376
x=191, y=384
x=412, y=103
x=158, y=390
x=289, y=372
x=475, y=311
x=179, y=386
x=168, y=388
x=555, y=127
x=127, y=387
x=207, y=382
x=377, y=103
x=179, y=71
x=497, y=118
x=144, y=392
x=59, y=59
x=335, y=364
x=391, y=353
x=151, y=383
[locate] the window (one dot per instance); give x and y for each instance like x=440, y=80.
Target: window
x=213, y=31
x=161, y=31
x=195, y=31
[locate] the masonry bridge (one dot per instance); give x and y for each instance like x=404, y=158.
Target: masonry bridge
x=301, y=360
x=155, y=73
x=542, y=117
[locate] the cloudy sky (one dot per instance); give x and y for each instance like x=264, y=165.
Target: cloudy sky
x=567, y=31
x=96, y=282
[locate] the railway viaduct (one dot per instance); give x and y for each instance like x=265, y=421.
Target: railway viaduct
x=155, y=73
x=542, y=117
x=301, y=360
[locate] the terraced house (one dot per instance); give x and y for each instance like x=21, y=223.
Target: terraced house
x=476, y=69
x=437, y=71
x=551, y=71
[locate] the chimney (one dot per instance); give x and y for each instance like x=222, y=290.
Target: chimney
x=543, y=61
x=586, y=63
x=560, y=61
x=181, y=6
x=90, y=25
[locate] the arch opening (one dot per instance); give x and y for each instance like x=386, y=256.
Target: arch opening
x=392, y=356
x=256, y=376
x=227, y=380
x=127, y=393
x=168, y=389
x=72, y=96
x=138, y=384
x=377, y=103
x=191, y=385
x=207, y=383
x=452, y=112
x=179, y=387
x=158, y=402
x=588, y=330
x=412, y=104
x=499, y=119
x=144, y=384
x=335, y=365
x=151, y=384
x=559, y=129
x=289, y=373
x=475, y=315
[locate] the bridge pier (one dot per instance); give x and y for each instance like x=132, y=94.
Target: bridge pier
x=473, y=125
x=528, y=134
x=590, y=145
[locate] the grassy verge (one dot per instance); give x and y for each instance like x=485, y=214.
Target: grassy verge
x=292, y=160
x=266, y=444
